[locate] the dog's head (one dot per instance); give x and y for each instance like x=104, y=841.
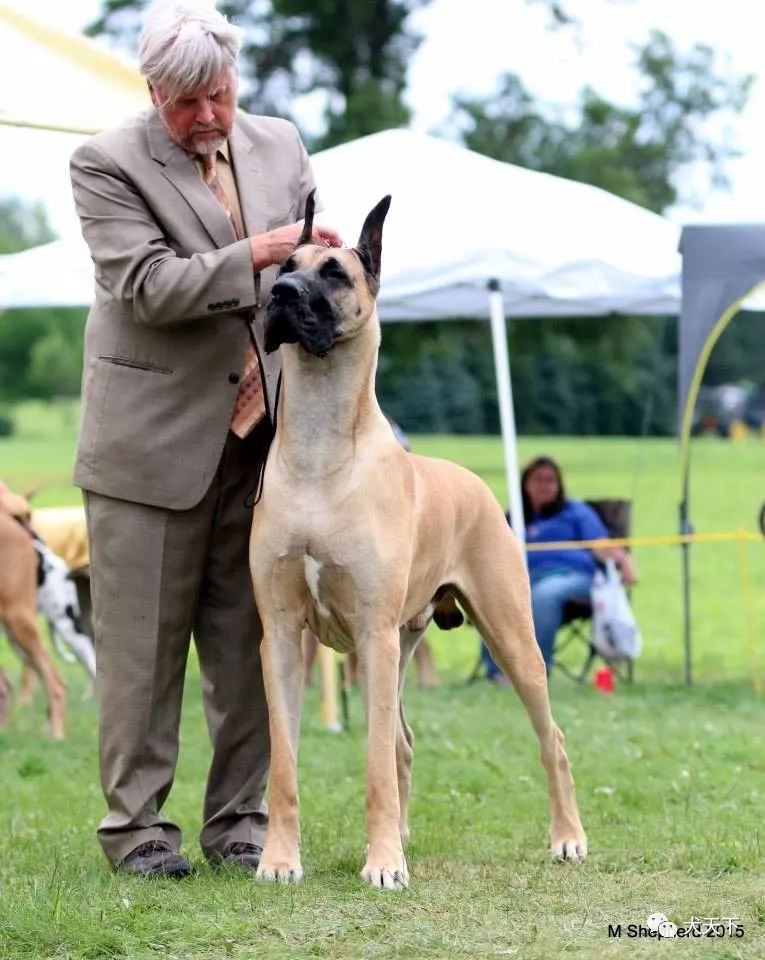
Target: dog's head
x=326, y=295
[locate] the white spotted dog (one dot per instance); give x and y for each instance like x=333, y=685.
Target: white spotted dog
x=57, y=601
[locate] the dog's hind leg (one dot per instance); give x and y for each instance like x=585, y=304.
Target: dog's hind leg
x=22, y=626
x=283, y=678
x=6, y=688
x=387, y=745
x=497, y=600
x=26, y=684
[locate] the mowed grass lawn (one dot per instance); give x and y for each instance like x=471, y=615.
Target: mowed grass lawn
x=669, y=779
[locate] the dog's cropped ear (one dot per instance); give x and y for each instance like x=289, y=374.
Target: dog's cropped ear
x=369, y=247
x=310, y=206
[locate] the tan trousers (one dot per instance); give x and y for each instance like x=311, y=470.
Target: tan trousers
x=157, y=575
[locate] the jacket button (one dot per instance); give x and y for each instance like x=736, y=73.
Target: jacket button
x=233, y=378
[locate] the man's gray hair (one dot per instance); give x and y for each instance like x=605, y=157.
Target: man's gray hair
x=186, y=44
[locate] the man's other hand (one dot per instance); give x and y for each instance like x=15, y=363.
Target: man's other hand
x=276, y=245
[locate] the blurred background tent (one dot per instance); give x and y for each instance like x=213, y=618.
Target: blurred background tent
x=467, y=236
x=92, y=87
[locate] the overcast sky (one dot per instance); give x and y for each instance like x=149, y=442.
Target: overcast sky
x=469, y=43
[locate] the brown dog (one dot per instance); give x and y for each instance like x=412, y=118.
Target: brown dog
x=18, y=610
x=356, y=538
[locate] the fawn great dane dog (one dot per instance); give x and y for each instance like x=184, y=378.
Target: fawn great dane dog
x=361, y=542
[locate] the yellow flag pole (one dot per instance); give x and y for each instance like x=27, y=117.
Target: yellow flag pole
x=328, y=673
x=746, y=589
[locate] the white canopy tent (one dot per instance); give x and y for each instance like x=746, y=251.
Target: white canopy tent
x=466, y=236
x=83, y=89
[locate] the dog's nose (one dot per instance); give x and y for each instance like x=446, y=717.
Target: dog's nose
x=288, y=288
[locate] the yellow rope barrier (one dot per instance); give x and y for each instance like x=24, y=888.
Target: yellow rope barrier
x=741, y=536
x=662, y=540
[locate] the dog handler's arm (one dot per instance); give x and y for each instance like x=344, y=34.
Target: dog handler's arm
x=134, y=262
x=276, y=245
x=132, y=258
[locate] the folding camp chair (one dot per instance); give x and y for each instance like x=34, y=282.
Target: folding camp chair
x=577, y=614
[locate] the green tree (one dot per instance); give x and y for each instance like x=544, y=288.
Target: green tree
x=355, y=53
x=40, y=350
x=22, y=225
x=634, y=152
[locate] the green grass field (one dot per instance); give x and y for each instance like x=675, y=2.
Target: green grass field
x=669, y=779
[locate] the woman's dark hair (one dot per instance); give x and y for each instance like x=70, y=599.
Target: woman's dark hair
x=557, y=504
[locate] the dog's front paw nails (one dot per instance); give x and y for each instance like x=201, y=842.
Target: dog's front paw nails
x=572, y=850
x=279, y=872
x=386, y=877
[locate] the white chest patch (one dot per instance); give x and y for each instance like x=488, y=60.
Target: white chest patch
x=312, y=570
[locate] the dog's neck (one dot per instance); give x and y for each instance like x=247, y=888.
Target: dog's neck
x=328, y=405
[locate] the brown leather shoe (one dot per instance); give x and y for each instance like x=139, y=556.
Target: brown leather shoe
x=155, y=858
x=246, y=856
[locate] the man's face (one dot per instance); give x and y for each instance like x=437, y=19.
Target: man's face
x=201, y=119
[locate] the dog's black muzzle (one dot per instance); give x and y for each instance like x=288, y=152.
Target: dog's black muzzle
x=298, y=312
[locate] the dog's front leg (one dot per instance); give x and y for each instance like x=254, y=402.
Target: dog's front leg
x=379, y=653
x=282, y=659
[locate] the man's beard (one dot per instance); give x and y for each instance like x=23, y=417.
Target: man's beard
x=206, y=146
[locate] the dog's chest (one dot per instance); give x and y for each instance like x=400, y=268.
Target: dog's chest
x=332, y=604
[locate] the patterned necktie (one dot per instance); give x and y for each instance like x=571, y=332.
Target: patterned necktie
x=249, y=406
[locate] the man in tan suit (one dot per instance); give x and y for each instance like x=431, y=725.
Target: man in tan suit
x=187, y=209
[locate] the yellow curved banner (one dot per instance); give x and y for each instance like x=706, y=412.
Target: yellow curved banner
x=698, y=372
x=77, y=50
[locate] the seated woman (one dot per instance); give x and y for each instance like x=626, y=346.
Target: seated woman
x=558, y=575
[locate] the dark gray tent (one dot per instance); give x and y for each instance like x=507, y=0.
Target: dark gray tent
x=722, y=265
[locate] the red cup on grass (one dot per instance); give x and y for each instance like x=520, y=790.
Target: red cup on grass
x=604, y=680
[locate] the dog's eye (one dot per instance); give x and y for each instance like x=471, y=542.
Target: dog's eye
x=288, y=266
x=332, y=270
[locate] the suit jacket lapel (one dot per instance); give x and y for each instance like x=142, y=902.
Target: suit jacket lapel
x=250, y=180
x=178, y=167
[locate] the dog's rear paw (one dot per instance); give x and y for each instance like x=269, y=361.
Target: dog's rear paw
x=572, y=850
x=386, y=877
x=279, y=873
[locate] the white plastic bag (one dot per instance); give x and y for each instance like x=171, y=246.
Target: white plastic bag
x=614, y=632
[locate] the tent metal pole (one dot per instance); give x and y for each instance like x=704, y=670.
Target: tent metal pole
x=506, y=413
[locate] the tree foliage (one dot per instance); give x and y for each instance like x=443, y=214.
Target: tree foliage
x=635, y=152
x=40, y=350
x=22, y=225
x=569, y=376
x=354, y=55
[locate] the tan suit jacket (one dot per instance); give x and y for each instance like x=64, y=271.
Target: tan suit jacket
x=176, y=297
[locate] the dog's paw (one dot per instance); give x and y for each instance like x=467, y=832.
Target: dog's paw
x=279, y=872
x=386, y=877
x=280, y=860
x=573, y=850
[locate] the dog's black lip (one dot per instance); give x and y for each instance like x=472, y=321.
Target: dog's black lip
x=286, y=323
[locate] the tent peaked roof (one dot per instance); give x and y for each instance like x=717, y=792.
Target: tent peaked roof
x=459, y=219
x=84, y=88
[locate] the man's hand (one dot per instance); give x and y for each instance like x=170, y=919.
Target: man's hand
x=276, y=245
x=623, y=562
